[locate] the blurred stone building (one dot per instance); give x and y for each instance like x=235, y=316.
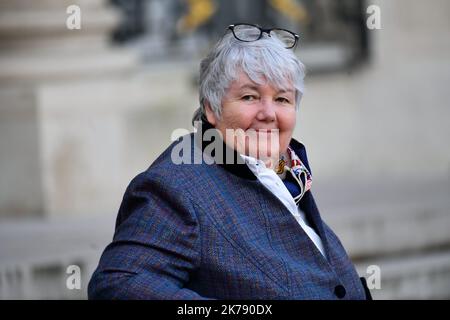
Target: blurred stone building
x=81, y=114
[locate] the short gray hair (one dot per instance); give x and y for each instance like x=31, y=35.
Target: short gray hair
x=265, y=58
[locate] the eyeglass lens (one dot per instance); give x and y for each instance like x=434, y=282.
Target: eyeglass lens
x=246, y=32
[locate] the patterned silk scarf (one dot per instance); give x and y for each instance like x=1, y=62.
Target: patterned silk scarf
x=295, y=175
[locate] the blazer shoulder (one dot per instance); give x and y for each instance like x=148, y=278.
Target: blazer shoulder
x=176, y=163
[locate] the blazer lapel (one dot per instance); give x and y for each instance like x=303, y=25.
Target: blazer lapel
x=307, y=204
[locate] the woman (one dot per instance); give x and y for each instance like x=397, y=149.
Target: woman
x=241, y=223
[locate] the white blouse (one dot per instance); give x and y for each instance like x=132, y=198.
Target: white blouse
x=273, y=182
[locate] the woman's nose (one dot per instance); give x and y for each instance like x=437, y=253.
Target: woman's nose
x=266, y=112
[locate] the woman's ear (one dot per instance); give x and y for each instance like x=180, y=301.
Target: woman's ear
x=210, y=115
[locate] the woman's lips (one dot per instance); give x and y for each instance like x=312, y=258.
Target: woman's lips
x=263, y=130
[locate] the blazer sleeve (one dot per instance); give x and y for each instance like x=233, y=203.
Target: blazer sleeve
x=155, y=246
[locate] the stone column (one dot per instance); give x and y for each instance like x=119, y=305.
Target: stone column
x=62, y=97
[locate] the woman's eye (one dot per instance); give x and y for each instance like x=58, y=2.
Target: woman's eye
x=248, y=98
x=282, y=100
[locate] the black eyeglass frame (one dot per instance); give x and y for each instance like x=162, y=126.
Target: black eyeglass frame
x=261, y=31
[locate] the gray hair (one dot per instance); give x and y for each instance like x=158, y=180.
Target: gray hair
x=266, y=58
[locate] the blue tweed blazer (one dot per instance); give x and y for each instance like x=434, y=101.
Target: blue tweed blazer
x=195, y=231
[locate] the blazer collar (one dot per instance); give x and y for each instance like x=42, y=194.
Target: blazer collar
x=239, y=168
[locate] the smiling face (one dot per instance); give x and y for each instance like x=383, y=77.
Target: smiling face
x=265, y=114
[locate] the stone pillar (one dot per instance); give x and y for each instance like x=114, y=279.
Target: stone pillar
x=62, y=97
